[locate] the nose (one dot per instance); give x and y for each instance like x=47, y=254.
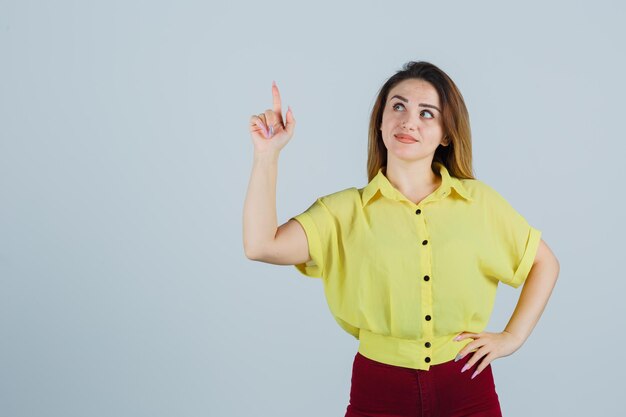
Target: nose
x=409, y=125
x=410, y=121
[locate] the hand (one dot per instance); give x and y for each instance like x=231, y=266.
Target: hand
x=268, y=131
x=490, y=345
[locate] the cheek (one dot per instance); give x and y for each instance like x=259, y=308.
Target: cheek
x=389, y=123
x=389, y=116
x=432, y=128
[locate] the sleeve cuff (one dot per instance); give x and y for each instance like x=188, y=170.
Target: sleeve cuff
x=528, y=258
x=315, y=266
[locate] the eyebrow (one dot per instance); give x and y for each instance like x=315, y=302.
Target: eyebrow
x=421, y=104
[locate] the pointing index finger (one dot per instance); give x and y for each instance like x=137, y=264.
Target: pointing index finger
x=276, y=95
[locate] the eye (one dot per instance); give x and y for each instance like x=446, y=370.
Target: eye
x=429, y=114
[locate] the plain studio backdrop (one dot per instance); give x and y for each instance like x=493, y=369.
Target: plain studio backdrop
x=125, y=157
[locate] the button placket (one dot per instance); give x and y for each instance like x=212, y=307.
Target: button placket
x=424, y=256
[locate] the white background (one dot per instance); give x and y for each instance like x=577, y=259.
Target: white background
x=125, y=158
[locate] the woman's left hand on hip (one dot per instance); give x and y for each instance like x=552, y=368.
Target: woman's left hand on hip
x=488, y=345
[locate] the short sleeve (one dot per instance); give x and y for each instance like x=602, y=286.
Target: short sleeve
x=319, y=225
x=511, y=243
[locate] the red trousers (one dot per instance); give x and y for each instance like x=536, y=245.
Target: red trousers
x=382, y=390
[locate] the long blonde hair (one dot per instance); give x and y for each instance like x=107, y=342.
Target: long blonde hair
x=457, y=156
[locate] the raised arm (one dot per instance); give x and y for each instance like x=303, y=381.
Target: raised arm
x=262, y=239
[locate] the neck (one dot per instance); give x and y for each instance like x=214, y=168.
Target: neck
x=415, y=180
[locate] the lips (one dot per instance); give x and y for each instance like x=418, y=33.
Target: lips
x=405, y=138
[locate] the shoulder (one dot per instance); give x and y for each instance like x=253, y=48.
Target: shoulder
x=480, y=191
x=341, y=196
x=494, y=204
x=342, y=201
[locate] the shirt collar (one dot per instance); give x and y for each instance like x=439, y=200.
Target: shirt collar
x=382, y=184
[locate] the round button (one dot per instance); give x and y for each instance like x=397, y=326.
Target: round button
x=427, y=359
x=427, y=317
x=427, y=344
x=425, y=242
x=426, y=277
x=418, y=211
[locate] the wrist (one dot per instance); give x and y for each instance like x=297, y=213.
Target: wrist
x=519, y=338
x=266, y=156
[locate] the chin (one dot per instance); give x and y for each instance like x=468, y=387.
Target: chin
x=407, y=155
x=406, y=150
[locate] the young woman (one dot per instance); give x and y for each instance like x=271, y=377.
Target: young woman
x=410, y=262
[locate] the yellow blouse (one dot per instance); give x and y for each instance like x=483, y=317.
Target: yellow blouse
x=405, y=278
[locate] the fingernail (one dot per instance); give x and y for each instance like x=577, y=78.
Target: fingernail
x=271, y=130
x=457, y=338
x=260, y=125
x=459, y=356
x=475, y=373
x=465, y=368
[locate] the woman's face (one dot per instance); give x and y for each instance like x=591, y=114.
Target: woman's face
x=413, y=109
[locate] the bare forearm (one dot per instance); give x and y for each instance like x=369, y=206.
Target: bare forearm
x=533, y=299
x=259, y=213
